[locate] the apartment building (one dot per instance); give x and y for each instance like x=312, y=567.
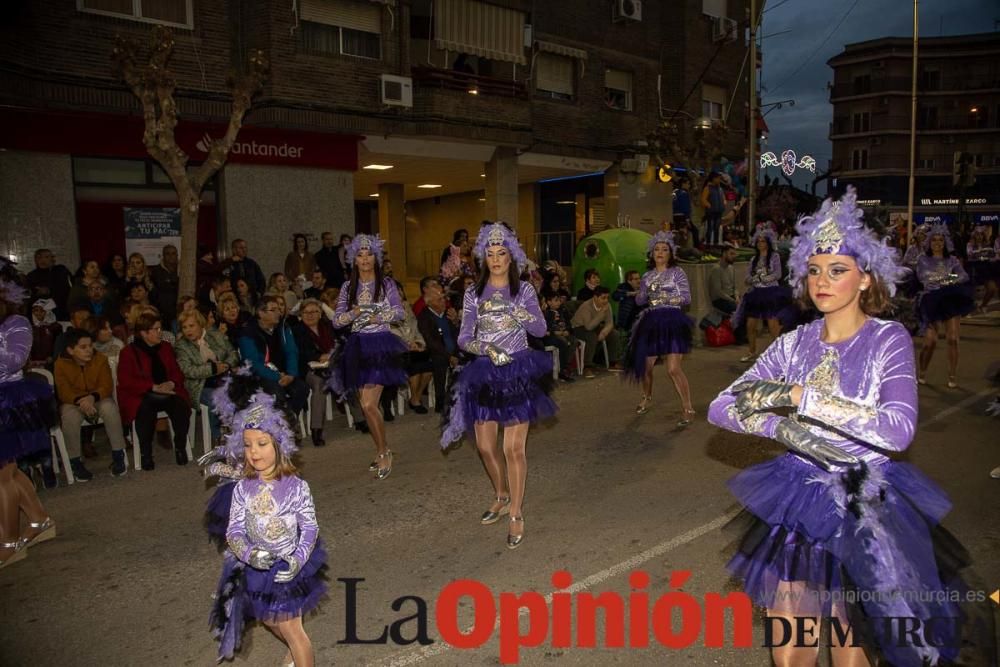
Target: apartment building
x=958, y=111
x=406, y=117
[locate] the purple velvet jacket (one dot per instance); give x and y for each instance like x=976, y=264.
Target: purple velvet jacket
x=765, y=274
x=276, y=516
x=388, y=308
x=490, y=319
x=665, y=289
x=859, y=394
x=935, y=272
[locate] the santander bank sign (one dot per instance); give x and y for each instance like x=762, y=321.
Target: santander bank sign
x=272, y=146
x=254, y=149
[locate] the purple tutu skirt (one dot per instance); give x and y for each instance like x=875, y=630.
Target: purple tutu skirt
x=766, y=303
x=516, y=393
x=217, y=513
x=868, y=531
x=245, y=593
x=657, y=332
x=368, y=358
x=947, y=302
x=27, y=412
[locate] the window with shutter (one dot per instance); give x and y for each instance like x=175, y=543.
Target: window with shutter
x=618, y=89
x=554, y=76
x=341, y=27
x=177, y=13
x=713, y=101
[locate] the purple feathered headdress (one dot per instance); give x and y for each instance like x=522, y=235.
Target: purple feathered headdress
x=10, y=290
x=661, y=237
x=766, y=231
x=261, y=414
x=939, y=229
x=498, y=233
x=837, y=228
x=373, y=244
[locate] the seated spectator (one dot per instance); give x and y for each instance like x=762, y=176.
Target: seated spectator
x=50, y=281
x=88, y=274
x=150, y=382
x=86, y=393
x=245, y=297
x=270, y=348
x=553, y=282
x=138, y=294
x=45, y=331
x=722, y=282
x=79, y=318
x=105, y=340
x=592, y=324
x=458, y=237
x=277, y=285
x=231, y=319
x=416, y=361
x=438, y=324
x=138, y=271
x=558, y=334
x=318, y=285
x=421, y=303
x=624, y=296
x=116, y=275
x=591, y=279
x=204, y=356
x=456, y=291
x=329, y=299
x=210, y=295
x=99, y=302
x=315, y=337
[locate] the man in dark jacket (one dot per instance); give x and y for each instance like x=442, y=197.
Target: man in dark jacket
x=436, y=325
x=239, y=266
x=328, y=261
x=167, y=283
x=273, y=354
x=51, y=281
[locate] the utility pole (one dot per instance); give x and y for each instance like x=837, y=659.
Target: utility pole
x=913, y=132
x=752, y=153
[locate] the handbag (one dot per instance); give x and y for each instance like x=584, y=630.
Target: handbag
x=713, y=319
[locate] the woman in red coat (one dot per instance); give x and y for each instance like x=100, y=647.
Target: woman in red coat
x=149, y=382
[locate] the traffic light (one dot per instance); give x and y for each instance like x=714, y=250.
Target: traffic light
x=963, y=169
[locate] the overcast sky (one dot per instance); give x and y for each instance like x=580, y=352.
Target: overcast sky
x=795, y=66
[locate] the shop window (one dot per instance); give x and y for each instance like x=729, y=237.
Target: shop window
x=713, y=101
x=110, y=172
x=618, y=89
x=555, y=76
x=341, y=27
x=168, y=12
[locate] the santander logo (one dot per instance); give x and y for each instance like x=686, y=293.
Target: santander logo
x=252, y=148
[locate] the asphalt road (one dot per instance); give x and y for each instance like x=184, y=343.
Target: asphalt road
x=129, y=579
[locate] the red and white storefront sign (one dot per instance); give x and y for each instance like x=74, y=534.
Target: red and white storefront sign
x=106, y=135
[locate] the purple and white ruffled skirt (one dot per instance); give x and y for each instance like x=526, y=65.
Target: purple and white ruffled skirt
x=367, y=359
x=657, y=331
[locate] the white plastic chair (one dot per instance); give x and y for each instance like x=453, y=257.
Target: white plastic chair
x=579, y=357
x=56, y=438
x=200, y=415
x=551, y=349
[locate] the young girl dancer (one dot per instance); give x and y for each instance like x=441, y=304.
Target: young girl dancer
x=662, y=329
x=947, y=296
x=273, y=570
x=372, y=357
x=508, y=382
x=26, y=410
x=765, y=297
x=835, y=514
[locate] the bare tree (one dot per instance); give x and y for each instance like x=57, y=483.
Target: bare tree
x=668, y=146
x=152, y=82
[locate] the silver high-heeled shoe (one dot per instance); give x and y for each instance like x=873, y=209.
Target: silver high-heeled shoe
x=643, y=406
x=687, y=418
x=514, y=541
x=382, y=473
x=46, y=531
x=20, y=547
x=489, y=516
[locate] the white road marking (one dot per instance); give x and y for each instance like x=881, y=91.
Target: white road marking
x=415, y=655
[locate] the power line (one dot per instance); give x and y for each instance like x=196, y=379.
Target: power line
x=815, y=50
x=774, y=6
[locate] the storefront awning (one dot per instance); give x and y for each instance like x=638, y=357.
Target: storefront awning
x=479, y=29
x=561, y=50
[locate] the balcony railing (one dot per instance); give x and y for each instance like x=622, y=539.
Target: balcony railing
x=446, y=79
x=901, y=84
x=887, y=123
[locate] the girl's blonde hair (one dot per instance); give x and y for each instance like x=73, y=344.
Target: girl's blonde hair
x=283, y=466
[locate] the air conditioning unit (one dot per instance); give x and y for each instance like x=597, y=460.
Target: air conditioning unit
x=723, y=29
x=627, y=10
x=396, y=91
x=641, y=162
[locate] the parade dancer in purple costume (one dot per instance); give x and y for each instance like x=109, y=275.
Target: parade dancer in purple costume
x=765, y=298
x=662, y=330
x=508, y=382
x=835, y=514
x=274, y=568
x=946, y=298
x=372, y=357
x=26, y=411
